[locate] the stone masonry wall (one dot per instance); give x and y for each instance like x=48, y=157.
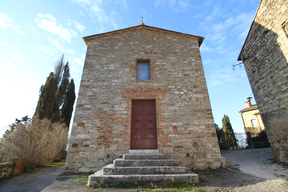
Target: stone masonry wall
x=265, y=56
x=6, y=169
x=102, y=122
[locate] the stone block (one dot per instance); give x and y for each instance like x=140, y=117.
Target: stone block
x=109, y=84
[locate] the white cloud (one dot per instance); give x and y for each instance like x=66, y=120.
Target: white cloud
x=79, y=26
x=6, y=22
x=83, y=56
x=205, y=48
x=96, y=11
x=8, y=45
x=223, y=78
x=79, y=61
x=124, y=5
x=114, y=15
x=69, y=51
x=3, y=44
x=57, y=44
x=48, y=22
x=237, y=26
x=215, y=12
x=174, y=5
x=14, y=55
x=198, y=16
x=22, y=32
x=47, y=50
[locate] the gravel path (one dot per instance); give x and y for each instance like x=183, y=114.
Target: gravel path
x=256, y=172
x=248, y=170
x=257, y=162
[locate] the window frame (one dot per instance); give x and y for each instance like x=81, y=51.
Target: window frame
x=143, y=61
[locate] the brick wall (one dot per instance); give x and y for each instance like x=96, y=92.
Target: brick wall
x=265, y=56
x=14, y=167
x=102, y=122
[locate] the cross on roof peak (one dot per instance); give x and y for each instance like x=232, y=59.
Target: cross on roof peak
x=142, y=20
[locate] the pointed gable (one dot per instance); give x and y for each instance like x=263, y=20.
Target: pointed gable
x=142, y=27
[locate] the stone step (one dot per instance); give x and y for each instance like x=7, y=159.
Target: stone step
x=141, y=151
x=99, y=179
x=143, y=156
x=145, y=162
x=142, y=167
x=111, y=170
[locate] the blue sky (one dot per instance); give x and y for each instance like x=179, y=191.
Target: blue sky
x=35, y=33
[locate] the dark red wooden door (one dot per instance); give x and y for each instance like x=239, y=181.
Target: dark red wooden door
x=143, y=125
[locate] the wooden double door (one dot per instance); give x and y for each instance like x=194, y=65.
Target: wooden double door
x=143, y=125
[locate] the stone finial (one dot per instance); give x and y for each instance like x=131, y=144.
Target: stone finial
x=248, y=102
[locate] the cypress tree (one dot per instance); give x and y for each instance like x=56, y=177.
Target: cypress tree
x=52, y=94
x=46, y=103
x=229, y=133
x=67, y=107
x=63, y=85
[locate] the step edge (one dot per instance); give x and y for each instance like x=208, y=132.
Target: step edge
x=147, y=175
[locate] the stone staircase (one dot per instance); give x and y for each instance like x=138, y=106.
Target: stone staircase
x=142, y=166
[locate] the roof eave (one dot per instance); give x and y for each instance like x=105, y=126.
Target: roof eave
x=87, y=38
x=253, y=107
x=239, y=57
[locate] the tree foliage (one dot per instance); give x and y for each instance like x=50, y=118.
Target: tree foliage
x=44, y=138
x=220, y=135
x=229, y=133
x=67, y=107
x=25, y=121
x=47, y=103
x=53, y=94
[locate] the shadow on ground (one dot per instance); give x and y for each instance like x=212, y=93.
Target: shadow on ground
x=51, y=180
x=225, y=179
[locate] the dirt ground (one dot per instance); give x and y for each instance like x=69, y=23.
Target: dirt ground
x=249, y=170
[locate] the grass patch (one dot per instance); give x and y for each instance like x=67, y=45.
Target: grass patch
x=174, y=186
x=30, y=169
x=235, y=169
x=82, y=177
x=56, y=164
x=63, y=174
x=62, y=178
x=125, y=184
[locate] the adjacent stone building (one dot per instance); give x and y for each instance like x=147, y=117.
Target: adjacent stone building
x=143, y=88
x=265, y=56
x=252, y=119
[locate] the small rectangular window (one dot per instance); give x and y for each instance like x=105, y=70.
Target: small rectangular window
x=254, y=123
x=143, y=70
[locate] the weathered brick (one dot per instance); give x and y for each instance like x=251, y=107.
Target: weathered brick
x=109, y=85
x=265, y=56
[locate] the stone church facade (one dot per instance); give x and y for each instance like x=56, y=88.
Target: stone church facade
x=143, y=88
x=265, y=56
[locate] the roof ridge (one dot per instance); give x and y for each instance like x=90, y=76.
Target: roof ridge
x=88, y=38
